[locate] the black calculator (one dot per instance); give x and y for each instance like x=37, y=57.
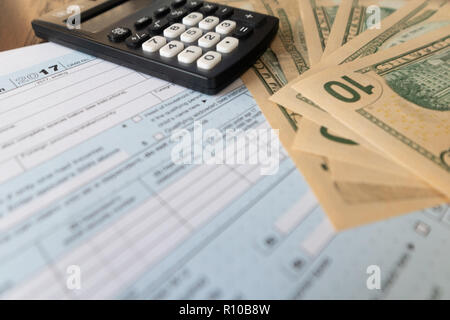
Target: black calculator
x=200, y=45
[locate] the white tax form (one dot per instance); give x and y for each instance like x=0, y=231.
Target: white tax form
x=91, y=205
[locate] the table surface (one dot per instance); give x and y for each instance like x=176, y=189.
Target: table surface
x=16, y=17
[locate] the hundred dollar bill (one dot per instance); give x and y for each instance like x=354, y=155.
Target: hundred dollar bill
x=412, y=20
x=318, y=17
x=399, y=100
x=347, y=203
x=356, y=16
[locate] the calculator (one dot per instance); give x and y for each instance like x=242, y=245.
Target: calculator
x=200, y=45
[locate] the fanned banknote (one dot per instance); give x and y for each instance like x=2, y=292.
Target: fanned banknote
x=344, y=146
x=290, y=43
x=346, y=172
x=399, y=100
x=348, y=203
x=318, y=18
x=320, y=140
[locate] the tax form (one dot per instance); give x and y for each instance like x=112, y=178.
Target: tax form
x=92, y=206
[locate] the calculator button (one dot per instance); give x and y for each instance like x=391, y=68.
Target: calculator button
x=162, y=11
x=158, y=26
x=209, y=60
x=225, y=27
x=190, y=54
x=249, y=18
x=153, y=44
x=194, y=5
x=174, y=30
x=242, y=32
x=177, y=14
x=142, y=22
x=208, y=23
x=224, y=12
x=191, y=35
x=209, y=40
x=192, y=19
x=178, y=3
x=208, y=8
x=119, y=34
x=171, y=49
x=227, y=45
x=137, y=39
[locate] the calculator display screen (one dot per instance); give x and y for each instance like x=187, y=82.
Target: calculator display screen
x=104, y=19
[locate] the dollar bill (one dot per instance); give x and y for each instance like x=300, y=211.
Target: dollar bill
x=322, y=141
x=355, y=17
x=318, y=18
x=346, y=172
x=290, y=43
x=412, y=20
x=407, y=21
x=347, y=203
x=399, y=100
x=348, y=206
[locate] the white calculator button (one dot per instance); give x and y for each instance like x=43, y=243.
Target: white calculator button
x=190, y=54
x=209, y=40
x=191, y=35
x=174, y=30
x=171, y=49
x=153, y=44
x=225, y=27
x=192, y=19
x=227, y=45
x=208, y=23
x=209, y=60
